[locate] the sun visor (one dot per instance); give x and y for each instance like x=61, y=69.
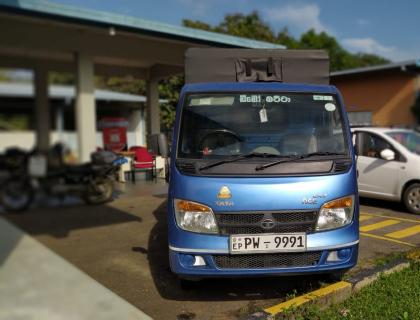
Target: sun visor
x=254, y=65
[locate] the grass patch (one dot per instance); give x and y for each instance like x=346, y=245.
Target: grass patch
x=387, y=259
x=394, y=296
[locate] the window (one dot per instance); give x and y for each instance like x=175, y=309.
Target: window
x=372, y=145
x=362, y=118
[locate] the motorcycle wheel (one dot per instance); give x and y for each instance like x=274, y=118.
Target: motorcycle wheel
x=99, y=191
x=16, y=195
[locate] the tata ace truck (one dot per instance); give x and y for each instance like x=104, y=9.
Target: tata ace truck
x=263, y=174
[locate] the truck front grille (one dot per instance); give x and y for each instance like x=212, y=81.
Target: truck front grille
x=250, y=223
x=269, y=260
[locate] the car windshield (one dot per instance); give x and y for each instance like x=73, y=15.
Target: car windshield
x=409, y=139
x=277, y=124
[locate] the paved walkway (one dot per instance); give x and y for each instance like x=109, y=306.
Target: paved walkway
x=35, y=283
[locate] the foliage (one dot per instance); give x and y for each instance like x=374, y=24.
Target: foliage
x=63, y=78
x=14, y=122
x=393, y=296
x=4, y=76
x=253, y=27
x=169, y=90
x=127, y=84
x=415, y=109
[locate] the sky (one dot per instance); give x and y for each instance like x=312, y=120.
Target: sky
x=384, y=27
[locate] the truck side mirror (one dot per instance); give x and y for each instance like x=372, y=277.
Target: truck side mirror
x=387, y=154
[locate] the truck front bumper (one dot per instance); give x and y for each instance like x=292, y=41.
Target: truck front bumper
x=327, y=252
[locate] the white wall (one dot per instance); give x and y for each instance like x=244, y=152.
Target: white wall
x=26, y=139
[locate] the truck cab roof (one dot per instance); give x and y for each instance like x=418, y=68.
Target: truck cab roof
x=257, y=86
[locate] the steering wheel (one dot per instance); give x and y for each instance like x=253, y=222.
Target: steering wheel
x=220, y=142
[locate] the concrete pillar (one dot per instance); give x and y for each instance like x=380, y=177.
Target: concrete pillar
x=85, y=106
x=153, y=110
x=136, y=125
x=42, y=109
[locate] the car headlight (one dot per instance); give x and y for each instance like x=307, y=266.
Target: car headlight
x=195, y=217
x=336, y=213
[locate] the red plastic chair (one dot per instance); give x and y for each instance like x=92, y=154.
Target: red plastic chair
x=143, y=161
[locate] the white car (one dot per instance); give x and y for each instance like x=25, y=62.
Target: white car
x=388, y=164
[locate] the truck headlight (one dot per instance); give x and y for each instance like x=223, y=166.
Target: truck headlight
x=336, y=213
x=195, y=217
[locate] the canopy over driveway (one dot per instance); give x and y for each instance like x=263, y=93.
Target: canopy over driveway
x=43, y=36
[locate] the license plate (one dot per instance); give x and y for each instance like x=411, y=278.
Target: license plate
x=261, y=243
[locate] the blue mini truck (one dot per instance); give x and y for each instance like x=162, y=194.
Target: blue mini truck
x=263, y=174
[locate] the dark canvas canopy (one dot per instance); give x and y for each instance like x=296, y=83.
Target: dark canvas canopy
x=249, y=65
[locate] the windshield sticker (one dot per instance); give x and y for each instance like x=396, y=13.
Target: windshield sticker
x=256, y=98
x=204, y=101
x=330, y=107
x=263, y=115
x=323, y=98
x=213, y=101
x=251, y=98
x=277, y=99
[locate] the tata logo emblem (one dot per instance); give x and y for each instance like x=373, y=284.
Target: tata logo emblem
x=224, y=193
x=267, y=224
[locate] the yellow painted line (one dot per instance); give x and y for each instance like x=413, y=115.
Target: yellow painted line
x=404, y=232
x=364, y=217
x=378, y=225
x=389, y=217
x=298, y=301
x=387, y=239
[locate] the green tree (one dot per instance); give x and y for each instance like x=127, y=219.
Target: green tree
x=64, y=78
x=249, y=26
x=127, y=84
x=253, y=27
x=195, y=24
x=284, y=38
x=169, y=90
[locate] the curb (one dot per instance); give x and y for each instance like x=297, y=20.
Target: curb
x=331, y=294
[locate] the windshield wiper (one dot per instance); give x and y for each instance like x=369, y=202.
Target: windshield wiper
x=238, y=157
x=298, y=157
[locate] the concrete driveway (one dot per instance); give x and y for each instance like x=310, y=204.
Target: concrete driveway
x=123, y=245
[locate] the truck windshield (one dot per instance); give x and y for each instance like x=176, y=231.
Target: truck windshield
x=276, y=124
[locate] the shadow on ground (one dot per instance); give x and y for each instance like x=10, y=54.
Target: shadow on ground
x=224, y=289
x=58, y=221
x=385, y=204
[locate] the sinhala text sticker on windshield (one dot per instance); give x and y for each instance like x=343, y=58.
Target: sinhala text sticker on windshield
x=322, y=98
x=256, y=98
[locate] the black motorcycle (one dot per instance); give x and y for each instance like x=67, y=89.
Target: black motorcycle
x=47, y=173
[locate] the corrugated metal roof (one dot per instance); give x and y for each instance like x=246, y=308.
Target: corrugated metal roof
x=162, y=30
x=26, y=90
x=383, y=67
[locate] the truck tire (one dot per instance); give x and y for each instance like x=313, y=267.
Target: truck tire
x=411, y=198
x=336, y=276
